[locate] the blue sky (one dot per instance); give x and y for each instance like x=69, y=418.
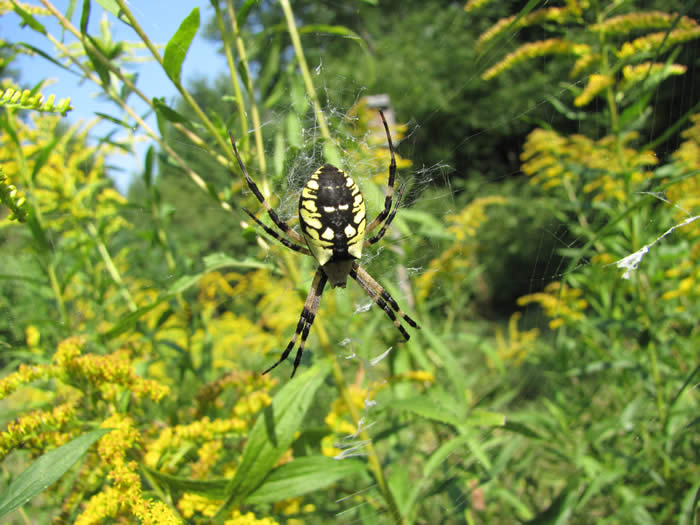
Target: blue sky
x=159, y=19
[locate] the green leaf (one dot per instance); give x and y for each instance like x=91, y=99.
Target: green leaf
x=449, y=362
x=130, y=319
x=115, y=120
x=28, y=19
x=427, y=408
x=111, y=6
x=302, y=476
x=221, y=260
x=400, y=484
x=167, y=112
x=85, y=17
x=179, y=44
x=148, y=167
x=46, y=470
x=296, y=478
x=244, y=11
x=101, y=70
x=273, y=433
x=46, y=56
x=211, y=488
x=484, y=418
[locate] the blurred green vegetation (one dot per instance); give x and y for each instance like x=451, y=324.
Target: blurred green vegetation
x=547, y=246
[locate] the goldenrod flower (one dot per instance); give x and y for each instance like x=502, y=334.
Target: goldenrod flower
x=625, y=24
x=561, y=303
x=459, y=256
x=537, y=49
x=654, y=41
x=519, y=344
x=596, y=84
x=540, y=16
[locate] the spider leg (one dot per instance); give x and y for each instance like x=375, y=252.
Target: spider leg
x=390, y=186
x=305, y=320
x=258, y=194
x=382, y=298
x=273, y=233
x=390, y=218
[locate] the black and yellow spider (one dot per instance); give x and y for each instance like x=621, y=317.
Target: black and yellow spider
x=332, y=218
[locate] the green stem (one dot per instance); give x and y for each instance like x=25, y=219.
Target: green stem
x=111, y=268
x=257, y=127
x=232, y=69
x=296, y=42
x=56, y=288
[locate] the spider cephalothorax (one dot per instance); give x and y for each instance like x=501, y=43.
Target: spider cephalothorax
x=333, y=226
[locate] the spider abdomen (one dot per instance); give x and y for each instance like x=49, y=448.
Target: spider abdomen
x=332, y=217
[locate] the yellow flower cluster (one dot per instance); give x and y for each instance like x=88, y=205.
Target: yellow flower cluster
x=605, y=167
x=39, y=430
x=519, y=344
x=63, y=189
x=13, y=199
x=539, y=16
x=625, y=24
x=104, y=371
x=124, y=497
x=459, y=257
x=6, y=6
x=652, y=42
x=584, y=62
x=685, y=194
x=276, y=313
x=532, y=50
x=596, y=84
x=203, y=430
x=561, y=303
x=473, y=5
x=24, y=375
x=244, y=383
x=208, y=456
x=688, y=157
x=373, y=155
x=293, y=506
x=638, y=73
x=191, y=504
x=252, y=404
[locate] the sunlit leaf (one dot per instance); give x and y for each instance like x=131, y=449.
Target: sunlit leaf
x=179, y=44
x=46, y=470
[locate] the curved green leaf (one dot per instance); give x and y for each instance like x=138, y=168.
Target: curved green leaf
x=179, y=44
x=302, y=476
x=46, y=470
x=273, y=433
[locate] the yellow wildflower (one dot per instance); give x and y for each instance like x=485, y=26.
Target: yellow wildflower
x=596, y=84
x=561, y=303
x=519, y=344
x=654, y=41
x=538, y=16
x=625, y=24
x=532, y=50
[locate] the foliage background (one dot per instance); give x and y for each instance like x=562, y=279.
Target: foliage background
x=547, y=246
